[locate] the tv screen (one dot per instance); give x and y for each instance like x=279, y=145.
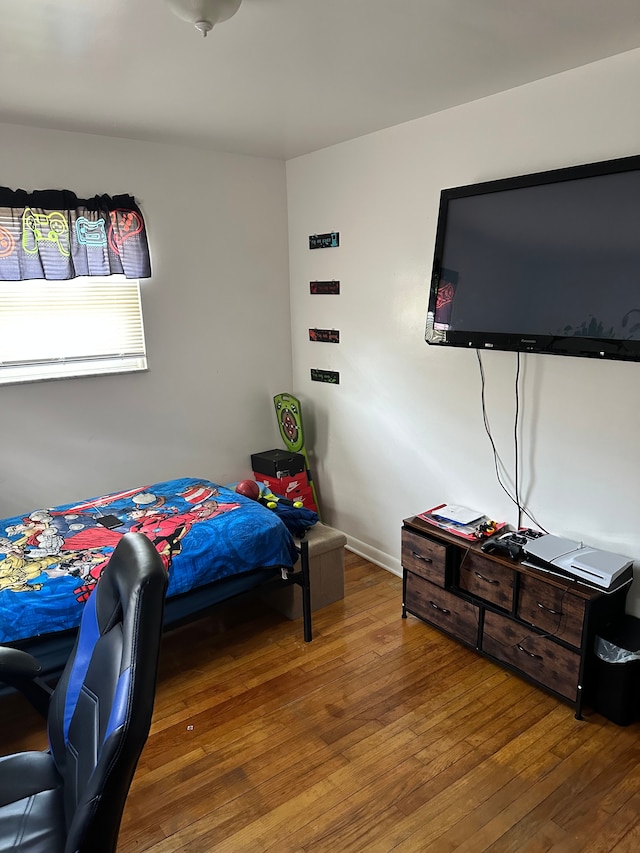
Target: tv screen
x=548, y=262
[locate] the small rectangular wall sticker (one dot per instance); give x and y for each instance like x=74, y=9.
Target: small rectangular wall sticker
x=324, y=241
x=325, y=336
x=317, y=288
x=330, y=376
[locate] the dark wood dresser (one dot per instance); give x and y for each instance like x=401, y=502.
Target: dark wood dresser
x=538, y=625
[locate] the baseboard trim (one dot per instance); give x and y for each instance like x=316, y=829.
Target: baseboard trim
x=385, y=561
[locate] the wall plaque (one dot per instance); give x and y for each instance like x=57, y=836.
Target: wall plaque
x=324, y=241
x=325, y=336
x=330, y=376
x=317, y=288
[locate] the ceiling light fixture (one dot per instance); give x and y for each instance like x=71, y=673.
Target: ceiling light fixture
x=204, y=14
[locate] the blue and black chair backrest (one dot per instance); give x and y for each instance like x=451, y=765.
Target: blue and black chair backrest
x=100, y=712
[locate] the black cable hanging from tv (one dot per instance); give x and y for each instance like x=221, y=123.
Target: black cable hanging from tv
x=497, y=460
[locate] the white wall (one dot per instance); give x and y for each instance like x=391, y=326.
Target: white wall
x=216, y=317
x=403, y=431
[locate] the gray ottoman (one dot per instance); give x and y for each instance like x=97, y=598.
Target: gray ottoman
x=326, y=573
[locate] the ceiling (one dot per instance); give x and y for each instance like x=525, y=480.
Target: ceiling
x=285, y=77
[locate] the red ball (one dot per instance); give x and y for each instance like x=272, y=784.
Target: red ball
x=248, y=488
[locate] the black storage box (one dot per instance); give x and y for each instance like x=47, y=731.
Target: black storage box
x=617, y=693
x=277, y=463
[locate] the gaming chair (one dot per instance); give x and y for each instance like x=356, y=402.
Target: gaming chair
x=70, y=799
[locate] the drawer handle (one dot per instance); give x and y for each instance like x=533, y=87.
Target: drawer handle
x=439, y=609
x=488, y=580
x=420, y=557
x=531, y=654
x=549, y=609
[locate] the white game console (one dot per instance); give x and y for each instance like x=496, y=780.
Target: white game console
x=597, y=567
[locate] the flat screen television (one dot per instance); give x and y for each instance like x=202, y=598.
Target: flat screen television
x=543, y=263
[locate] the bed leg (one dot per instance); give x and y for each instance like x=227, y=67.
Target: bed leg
x=306, y=591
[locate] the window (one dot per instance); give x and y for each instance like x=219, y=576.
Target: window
x=69, y=285
x=82, y=327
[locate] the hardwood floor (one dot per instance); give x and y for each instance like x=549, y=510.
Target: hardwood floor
x=381, y=735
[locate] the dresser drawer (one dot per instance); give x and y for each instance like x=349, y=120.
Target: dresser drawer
x=487, y=579
x=442, y=608
x=555, y=611
x=424, y=557
x=539, y=657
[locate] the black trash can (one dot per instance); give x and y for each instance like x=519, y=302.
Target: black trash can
x=617, y=673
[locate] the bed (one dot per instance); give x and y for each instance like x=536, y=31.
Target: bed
x=215, y=544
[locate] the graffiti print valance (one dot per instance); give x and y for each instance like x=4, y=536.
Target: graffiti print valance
x=53, y=234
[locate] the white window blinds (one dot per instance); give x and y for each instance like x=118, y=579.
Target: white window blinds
x=80, y=327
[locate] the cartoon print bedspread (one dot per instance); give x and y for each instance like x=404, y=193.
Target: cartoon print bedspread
x=51, y=559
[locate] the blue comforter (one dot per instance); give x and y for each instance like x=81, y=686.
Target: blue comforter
x=50, y=559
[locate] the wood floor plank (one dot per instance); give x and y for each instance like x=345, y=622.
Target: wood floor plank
x=561, y=787
x=381, y=735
